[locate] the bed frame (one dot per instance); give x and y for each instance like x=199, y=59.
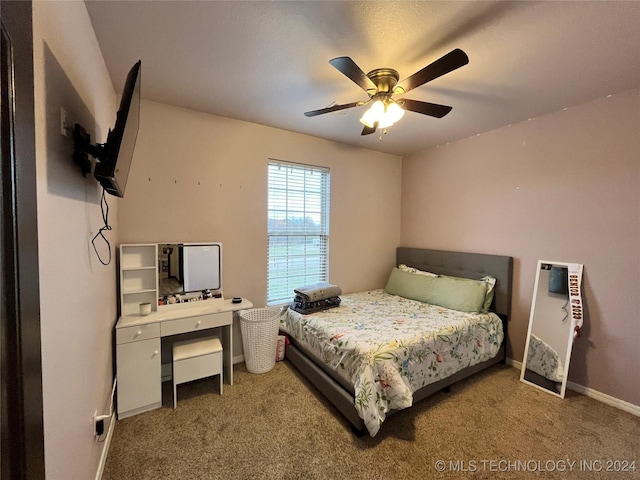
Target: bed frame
x=469, y=265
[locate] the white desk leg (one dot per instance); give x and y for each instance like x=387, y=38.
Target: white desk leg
x=227, y=342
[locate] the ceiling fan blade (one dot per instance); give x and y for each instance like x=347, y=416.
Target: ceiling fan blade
x=352, y=71
x=425, y=108
x=369, y=130
x=448, y=63
x=333, y=108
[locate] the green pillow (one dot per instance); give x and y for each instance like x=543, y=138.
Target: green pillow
x=456, y=293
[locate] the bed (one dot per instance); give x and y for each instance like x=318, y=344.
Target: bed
x=544, y=360
x=544, y=366
x=368, y=377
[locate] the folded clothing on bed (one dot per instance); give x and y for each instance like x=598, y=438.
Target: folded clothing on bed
x=318, y=291
x=300, y=305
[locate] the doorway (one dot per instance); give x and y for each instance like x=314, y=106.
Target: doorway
x=21, y=429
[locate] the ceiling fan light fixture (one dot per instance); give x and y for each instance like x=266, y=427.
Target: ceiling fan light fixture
x=384, y=113
x=373, y=114
x=395, y=112
x=378, y=108
x=385, y=122
x=367, y=119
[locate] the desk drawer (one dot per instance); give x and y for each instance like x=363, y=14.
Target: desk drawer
x=193, y=324
x=135, y=334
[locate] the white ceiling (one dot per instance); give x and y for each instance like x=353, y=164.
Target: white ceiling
x=268, y=62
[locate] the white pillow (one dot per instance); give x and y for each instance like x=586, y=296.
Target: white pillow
x=491, y=285
x=404, y=268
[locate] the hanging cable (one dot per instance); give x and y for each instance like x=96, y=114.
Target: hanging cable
x=104, y=207
x=564, y=309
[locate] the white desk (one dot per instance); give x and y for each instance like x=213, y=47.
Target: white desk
x=138, y=355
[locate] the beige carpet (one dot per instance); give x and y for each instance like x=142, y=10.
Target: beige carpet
x=276, y=426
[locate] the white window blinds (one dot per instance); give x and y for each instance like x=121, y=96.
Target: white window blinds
x=298, y=230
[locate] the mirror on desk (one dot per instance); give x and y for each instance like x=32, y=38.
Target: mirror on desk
x=189, y=267
x=556, y=317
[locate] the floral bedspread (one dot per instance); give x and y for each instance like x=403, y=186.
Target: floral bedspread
x=544, y=360
x=388, y=346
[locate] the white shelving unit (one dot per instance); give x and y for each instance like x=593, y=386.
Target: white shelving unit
x=138, y=277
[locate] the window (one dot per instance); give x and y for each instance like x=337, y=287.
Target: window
x=298, y=228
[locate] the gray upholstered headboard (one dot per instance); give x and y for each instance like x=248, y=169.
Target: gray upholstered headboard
x=468, y=265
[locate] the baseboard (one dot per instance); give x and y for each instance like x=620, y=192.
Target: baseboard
x=105, y=447
x=514, y=363
x=238, y=359
x=604, y=398
x=591, y=393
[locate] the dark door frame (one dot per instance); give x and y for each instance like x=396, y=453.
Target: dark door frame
x=22, y=432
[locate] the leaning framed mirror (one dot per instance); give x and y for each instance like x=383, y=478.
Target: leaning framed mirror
x=555, y=320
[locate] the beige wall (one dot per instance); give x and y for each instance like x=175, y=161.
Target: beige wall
x=78, y=295
x=562, y=187
x=197, y=177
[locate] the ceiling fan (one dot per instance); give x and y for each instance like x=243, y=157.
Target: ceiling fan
x=382, y=83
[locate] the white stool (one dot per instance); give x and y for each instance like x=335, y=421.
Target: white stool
x=194, y=359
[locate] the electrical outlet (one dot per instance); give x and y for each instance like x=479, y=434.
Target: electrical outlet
x=99, y=423
x=99, y=427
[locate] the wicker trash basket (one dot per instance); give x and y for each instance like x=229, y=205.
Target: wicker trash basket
x=259, y=327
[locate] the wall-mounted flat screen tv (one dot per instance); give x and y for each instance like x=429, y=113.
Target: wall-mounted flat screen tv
x=115, y=155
